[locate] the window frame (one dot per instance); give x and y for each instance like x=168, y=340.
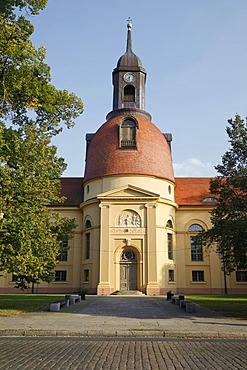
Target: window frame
x=196, y=247
x=128, y=133
x=169, y=223
x=198, y=276
x=63, y=254
x=170, y=246
x=60, y=276
x=15, y=278
x=86, y=275
x=88, y=224
x=171, y=276
x=195, y=228
x=241, y=276
x=129, y=94
x=87, y=245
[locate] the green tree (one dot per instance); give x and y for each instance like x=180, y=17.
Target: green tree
x=32, y=111
x=229, y=217
x=7, y=7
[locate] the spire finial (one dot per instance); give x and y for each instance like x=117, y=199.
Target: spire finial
x=129, y=24
x=129, y=41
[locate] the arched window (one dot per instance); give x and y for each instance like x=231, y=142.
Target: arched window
x=196, y=242
x=169, y=224
x=128, y=130
x=129, y=93
x=128, y=256
x=195, y=228
x=169, y=241
x=87, y=240
x=210, y=200
x=88, y=224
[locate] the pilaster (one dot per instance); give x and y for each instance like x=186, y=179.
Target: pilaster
x=104, y=268
x=152, y=283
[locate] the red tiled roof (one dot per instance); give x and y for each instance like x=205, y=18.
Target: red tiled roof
x=152, y=157
x=192, y=190
x=71, y=188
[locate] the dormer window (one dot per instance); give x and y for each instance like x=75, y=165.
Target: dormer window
x=210, y=200
x=127, y=131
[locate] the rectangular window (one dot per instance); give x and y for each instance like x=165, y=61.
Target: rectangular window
x=87, y=242
x=63, y=255
x=60, y=275
x=171, y=275
x=169, y=246
x=196, y=248
x=15, y=278
x=197, y=275
x=128, y=137
x=241, y=276
x=127, y=134
x=86, y=275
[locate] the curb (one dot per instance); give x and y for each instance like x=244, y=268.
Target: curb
x=120, y=334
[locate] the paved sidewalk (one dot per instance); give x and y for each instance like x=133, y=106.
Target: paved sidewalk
x=124, y=316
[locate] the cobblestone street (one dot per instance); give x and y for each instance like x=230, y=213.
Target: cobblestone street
x=120, y=354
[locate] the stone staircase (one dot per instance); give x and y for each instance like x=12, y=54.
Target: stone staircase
x=127, y=292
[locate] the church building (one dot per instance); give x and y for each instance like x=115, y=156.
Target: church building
x=136, y=223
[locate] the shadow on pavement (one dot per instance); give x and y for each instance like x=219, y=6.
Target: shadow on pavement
x=143, y=307
x=220, y=323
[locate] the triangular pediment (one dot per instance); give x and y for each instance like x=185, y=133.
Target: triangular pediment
x=128, y=191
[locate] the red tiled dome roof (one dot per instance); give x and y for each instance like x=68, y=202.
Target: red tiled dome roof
x=152, y=157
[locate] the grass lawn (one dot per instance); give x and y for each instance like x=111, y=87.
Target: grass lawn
x=13, y=304
x=234, y=306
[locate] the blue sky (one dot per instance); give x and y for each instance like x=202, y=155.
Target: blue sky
x=195, y=55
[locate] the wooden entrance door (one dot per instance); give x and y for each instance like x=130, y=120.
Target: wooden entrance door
x=128, y=271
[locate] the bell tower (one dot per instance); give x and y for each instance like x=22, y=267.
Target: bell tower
x=128, y=190
x=129, y=78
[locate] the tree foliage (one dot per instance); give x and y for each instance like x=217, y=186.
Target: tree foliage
x=8, y=7
x=229, y=217
x=25, y=82
x=32, y=111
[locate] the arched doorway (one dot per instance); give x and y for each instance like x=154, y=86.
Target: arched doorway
x=128, y=270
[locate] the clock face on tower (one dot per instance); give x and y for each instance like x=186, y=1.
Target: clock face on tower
x=128, y=77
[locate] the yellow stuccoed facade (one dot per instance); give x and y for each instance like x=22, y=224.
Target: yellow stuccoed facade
x=126, y=217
